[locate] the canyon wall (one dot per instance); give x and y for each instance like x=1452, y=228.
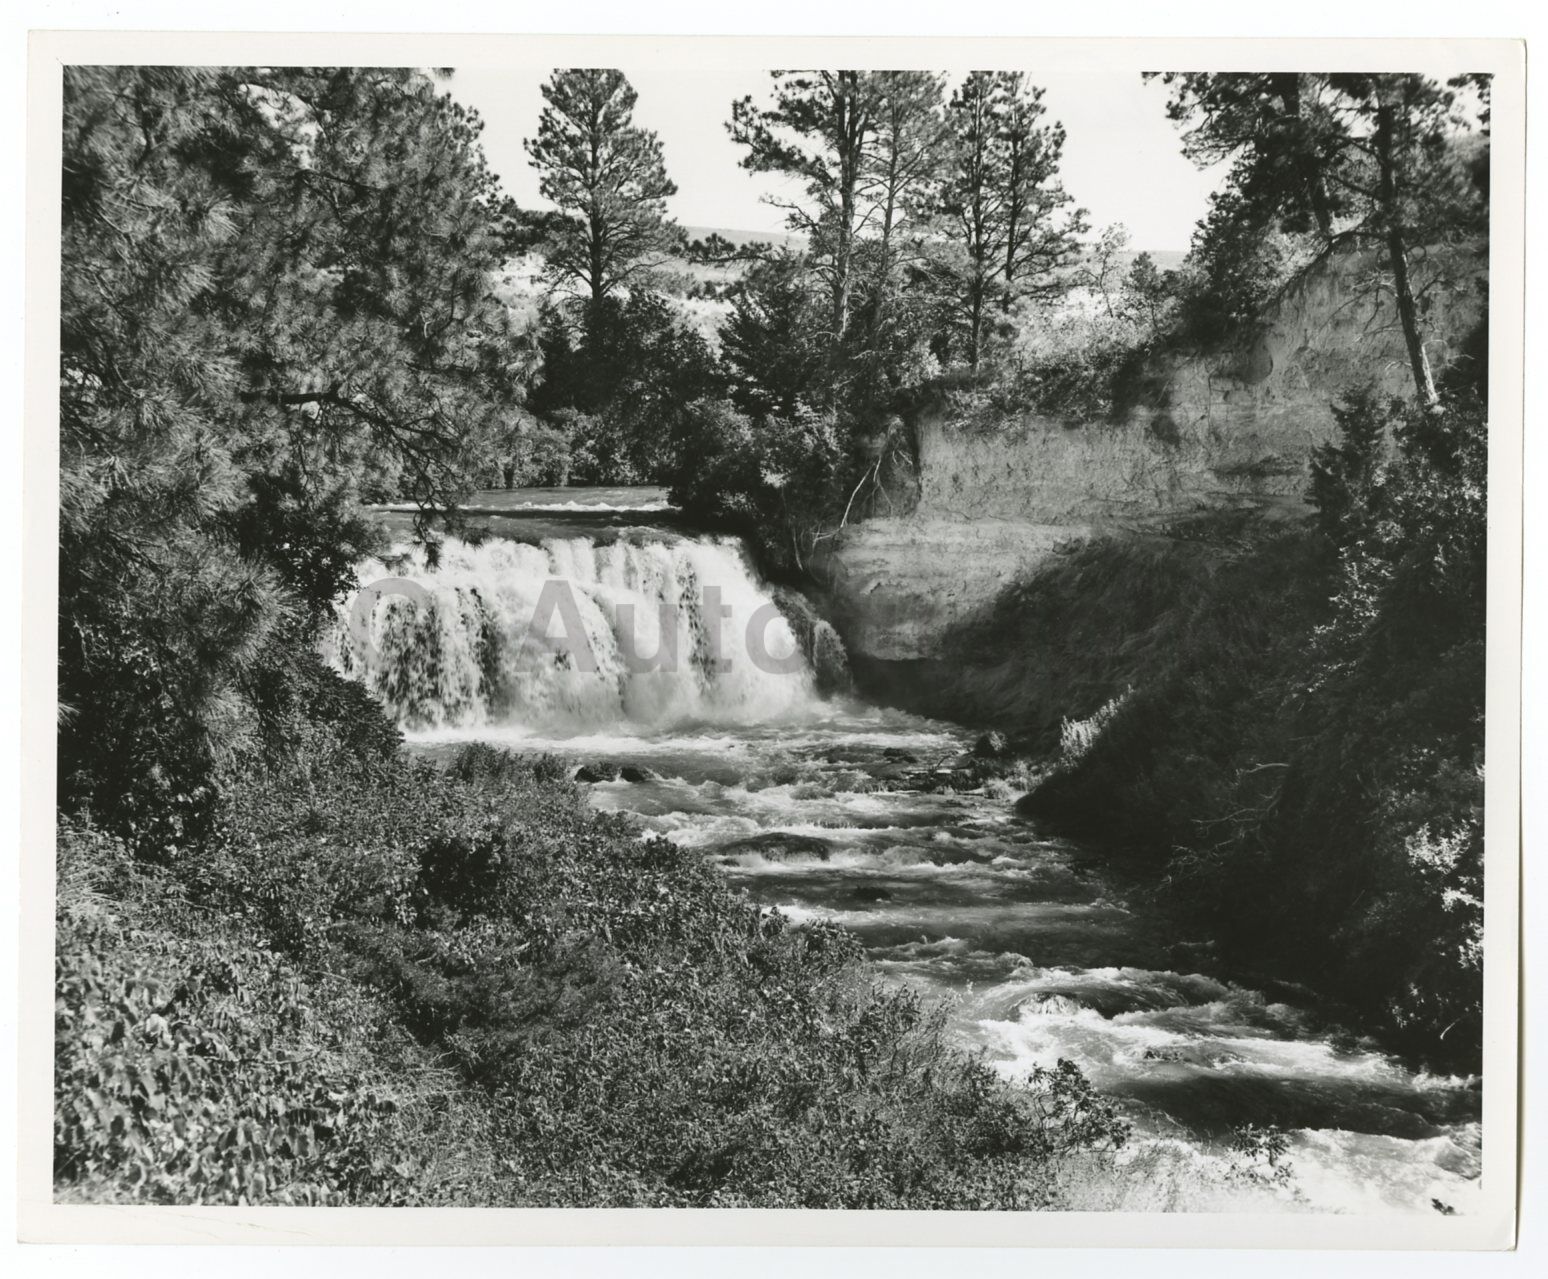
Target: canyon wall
x=1212, y=430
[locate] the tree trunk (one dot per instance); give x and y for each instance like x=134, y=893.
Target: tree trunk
x=847, y=107
x=884, y=262
x=976, y=325
x=1289, y=86
x=842, y=254
x=1392, y=231
x=595, y=228
x=1012, y=221
x=598, y=285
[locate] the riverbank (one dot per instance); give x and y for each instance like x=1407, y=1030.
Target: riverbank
x=1295, y=750
x=1044, y=949
x=456, y=985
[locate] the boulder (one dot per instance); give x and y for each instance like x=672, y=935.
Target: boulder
x=991, y=745
x=778, y=846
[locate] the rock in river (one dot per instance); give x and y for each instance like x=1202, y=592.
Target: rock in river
x=595, y=773
x=778, y=846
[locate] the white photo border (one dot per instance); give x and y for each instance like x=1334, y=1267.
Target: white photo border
x=40, y=1219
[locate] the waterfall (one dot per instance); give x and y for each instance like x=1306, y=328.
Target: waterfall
x=569, y=636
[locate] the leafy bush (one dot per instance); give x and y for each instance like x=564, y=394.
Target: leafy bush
x=191, y=1065
x=778, y=482
x=1261, y=1155
x=1068, y=360
x=617, y=378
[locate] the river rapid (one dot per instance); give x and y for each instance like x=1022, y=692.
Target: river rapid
x=1044, y=949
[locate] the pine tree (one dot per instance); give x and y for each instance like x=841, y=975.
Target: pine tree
x=820, y=131
x=1042, y=229
x=1008, y=224
x=280, y=293
x=1278, y=126
x=767, y=342
x=901, y=168
x=970, y=204
x=1368, y=161
x=608, y=175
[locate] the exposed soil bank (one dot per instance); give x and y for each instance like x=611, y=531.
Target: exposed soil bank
x=1214, y=431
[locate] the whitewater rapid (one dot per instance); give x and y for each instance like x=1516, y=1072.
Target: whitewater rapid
x=1041, y=949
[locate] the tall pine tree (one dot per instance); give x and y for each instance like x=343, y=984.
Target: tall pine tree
x=819, y=130
x=1354, y=160
x=1008, y=226
x=609, y=176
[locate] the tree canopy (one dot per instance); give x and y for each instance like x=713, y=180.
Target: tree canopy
x=1010, y=226
x=1351, y=160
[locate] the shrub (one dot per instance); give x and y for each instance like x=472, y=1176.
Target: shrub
x=1077, y=736
x=1070, y=360
x=191, y=1066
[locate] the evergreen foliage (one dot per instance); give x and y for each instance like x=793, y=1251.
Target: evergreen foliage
x=608, y=176
x=1010, y=230
x=279, y=296
x=1337, y=162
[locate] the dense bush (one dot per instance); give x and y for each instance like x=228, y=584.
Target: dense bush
x=1065, y=362
x=617, y=377
x=780, y=482
x=611, y=1023
x=796, y=445
x=194, y=1064
x=1236, y=268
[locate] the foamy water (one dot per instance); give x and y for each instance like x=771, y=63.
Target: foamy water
x=1043, y=952
x=569, y=636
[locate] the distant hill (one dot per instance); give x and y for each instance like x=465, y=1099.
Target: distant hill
x=779, y=239
x=1165, y=259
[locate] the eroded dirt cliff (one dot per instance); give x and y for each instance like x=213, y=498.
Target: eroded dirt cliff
x=1211, y=430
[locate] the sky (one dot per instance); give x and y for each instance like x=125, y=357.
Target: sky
x=1123, y=158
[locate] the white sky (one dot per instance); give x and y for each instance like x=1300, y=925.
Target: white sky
x=1122, y=158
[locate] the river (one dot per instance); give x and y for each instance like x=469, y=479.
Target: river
x=1045, y=949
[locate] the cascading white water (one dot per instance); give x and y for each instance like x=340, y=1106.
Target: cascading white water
x=670, y=631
